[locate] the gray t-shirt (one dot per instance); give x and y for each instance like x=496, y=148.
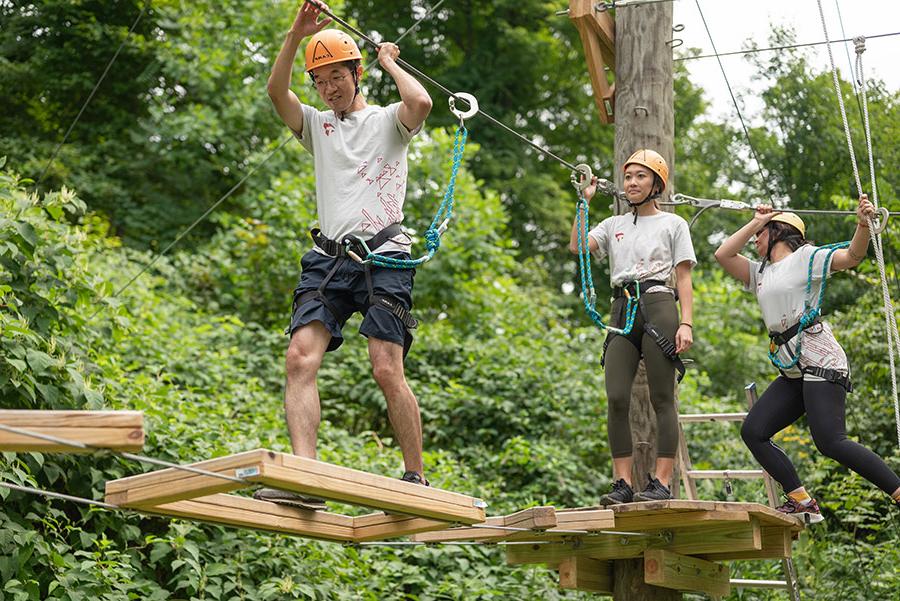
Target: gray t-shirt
x=781, y=292
x=647, y=250
x=361, y=171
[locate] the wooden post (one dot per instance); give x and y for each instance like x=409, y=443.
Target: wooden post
x=645, y=118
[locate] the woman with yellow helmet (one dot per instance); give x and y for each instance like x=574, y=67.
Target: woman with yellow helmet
x=815, y=374
x=644, y=248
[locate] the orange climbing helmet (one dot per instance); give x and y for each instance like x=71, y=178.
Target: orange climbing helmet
x=653, y=161
x=330, y=46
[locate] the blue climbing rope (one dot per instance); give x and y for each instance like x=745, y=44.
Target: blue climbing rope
x=588, y=295
x=441, y=218
x=809, y=313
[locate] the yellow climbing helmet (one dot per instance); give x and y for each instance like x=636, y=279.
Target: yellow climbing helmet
x=791, y=219
x=653, y=161
x=330, y=46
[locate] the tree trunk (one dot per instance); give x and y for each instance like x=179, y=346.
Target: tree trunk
x=645, y=118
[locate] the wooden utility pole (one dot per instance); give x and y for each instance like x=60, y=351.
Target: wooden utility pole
x=645, y=118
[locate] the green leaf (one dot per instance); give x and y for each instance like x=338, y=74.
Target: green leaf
x=39, y=361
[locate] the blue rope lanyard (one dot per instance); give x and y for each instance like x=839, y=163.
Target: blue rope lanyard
x=441, y=218
x=809, y=313
x=588, y=295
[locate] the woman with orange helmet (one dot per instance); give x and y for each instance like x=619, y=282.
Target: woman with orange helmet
x=815, y=374
x=360, y=156
x=645, y=249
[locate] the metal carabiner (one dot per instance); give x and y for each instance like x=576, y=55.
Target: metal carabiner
x=463, y=115
x=881, y=224
x=347, y=242
x=587, y=176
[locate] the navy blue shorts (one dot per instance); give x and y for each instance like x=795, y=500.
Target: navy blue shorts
x=348, y=293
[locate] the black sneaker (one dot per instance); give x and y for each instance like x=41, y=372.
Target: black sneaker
x=655, y=491
x=290, y=499
x=621, y=493
x=415, y=478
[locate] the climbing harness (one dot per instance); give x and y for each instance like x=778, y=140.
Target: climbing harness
x=581, y=178
x=890, y=318
x=444, y=213
x=811, y=316
x=705, y=204
x=343, y=250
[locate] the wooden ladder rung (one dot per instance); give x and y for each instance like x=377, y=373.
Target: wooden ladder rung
x=772, y=584
x=725, y=474
x=711, y=417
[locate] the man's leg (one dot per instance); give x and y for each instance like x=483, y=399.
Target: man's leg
x=301, y=395
x=402, y=407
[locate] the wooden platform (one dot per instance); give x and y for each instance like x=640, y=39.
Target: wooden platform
x=681, y=544
x=413, y=508
x=116, y=430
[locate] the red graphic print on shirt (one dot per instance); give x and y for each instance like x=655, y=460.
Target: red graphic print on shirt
x=328, y=127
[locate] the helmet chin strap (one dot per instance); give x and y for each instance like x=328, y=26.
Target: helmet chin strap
x=634, y=205
x=355, y=94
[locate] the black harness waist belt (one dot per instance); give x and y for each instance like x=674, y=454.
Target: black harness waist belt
x=782, y=338
x=335, y=248
x=619, y=291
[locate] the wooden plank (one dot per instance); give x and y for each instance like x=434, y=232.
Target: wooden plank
x=27, y=419
x=118, y=439
x=310, y=467
x=677, y=519
x=585, y=574
x=776, y=544
x=171, y=474
x=682, y=573
x=713, y=537
x=171, y=484
x=368, y=490
x=381, y=526
x=584, y=519
x=245, y=512
x=601, y=24
x=535, y=519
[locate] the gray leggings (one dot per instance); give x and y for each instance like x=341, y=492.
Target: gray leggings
x=622, y=358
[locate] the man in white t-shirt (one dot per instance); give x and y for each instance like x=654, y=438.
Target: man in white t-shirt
x=359, y=151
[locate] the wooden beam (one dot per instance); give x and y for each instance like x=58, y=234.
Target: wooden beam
x=679, y=519
x=337, y=483
x=584, y=519
x=171, y=484
x=382, y=526
x=682, y=573
x=713, y=537
x=116, y=430
x=776, y=544
x=584, y=574
x=538, y=521
x=597, y=33
x=245, y=512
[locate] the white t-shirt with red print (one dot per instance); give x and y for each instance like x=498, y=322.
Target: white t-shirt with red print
x=361, y=171
x=648, y=249
x=781, y=293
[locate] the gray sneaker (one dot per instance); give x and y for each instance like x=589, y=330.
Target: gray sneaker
x=290, y=499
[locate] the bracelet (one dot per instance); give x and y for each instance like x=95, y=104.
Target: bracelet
x=684, y=323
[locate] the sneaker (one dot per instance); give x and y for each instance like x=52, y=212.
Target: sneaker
x=621, y=493
x=655, y=491
x=809, y=512
x=290, y=499
x=415, y=478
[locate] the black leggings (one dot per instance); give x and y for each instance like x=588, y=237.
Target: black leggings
x=622, y=359
x=783, y=403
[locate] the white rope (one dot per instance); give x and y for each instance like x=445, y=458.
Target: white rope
x=893, y=338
